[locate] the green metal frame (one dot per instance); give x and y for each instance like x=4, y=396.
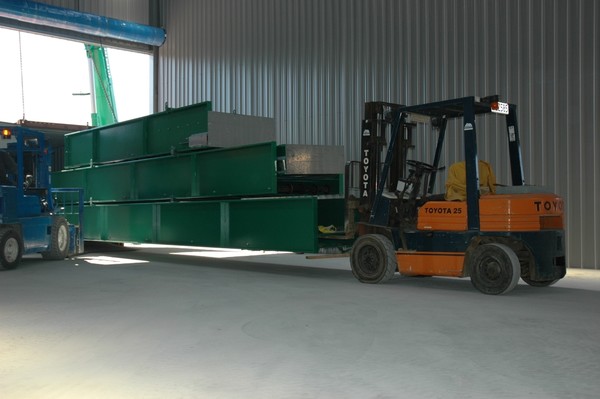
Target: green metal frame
x=157, y=134
x=286, y=224
x=144, y=184
x=241, y=171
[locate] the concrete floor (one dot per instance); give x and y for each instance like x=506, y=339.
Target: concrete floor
x=281, y=326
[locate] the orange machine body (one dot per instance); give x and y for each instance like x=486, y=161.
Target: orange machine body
x=502, y=213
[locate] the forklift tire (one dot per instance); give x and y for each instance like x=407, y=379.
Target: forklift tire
x=533, y=283
x=59, y=240
x=373, y=259
x=11, y=248
x=494, y=269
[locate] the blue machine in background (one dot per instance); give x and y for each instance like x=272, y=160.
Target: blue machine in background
x=33, y=216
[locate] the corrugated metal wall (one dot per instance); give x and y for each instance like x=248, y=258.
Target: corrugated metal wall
x=311, y=64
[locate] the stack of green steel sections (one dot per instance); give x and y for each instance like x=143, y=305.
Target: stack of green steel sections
x=144, y=184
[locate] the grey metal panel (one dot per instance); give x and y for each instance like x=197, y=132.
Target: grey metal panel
x=232, y=130
x=312, y=64
x=305, y=159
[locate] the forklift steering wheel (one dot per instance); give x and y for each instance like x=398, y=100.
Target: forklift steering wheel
x=421, y=165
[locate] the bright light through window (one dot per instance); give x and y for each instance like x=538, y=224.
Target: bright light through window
x=53, y=70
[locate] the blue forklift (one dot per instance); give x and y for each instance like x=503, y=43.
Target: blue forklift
x=34, y=218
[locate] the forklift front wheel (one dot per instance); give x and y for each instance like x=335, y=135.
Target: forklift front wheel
x=11, y=248
x=373, y=259
x=494, y=269
x=59, y=240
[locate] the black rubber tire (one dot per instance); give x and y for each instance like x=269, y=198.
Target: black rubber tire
x=11, y=248
x=494, y=269
x=373, y=259
x=538, y=283
x=59, y=240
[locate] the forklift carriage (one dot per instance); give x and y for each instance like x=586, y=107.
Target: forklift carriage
x=494, y=239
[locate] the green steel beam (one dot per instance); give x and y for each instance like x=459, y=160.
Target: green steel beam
x=282, y=224
x=156, y=134
x=241, y=171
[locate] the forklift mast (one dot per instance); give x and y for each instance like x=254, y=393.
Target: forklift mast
x=374, y=140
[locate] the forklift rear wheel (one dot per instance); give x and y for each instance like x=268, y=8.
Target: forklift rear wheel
x=59, y=240
x=11, y=248
x=373, y=259
x=494, y=269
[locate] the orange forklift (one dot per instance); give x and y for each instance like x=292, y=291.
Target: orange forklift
x=494, y=238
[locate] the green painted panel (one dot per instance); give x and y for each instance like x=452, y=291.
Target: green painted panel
x=94, y=223
x=169, y=177
x=284, y=224
x=79, y=148
x=152, y=135
x=129, y=223
x=135, y=223
x=172, y=128
x=192, y=223
x=120, y=141
x=240, y=171
x=70, y=178
x=109, y=183
x=248, y=170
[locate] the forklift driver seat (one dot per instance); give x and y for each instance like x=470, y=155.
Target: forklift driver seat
x=456, y=185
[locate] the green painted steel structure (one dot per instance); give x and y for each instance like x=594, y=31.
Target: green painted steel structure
x=247, y=171
x=157, y=134
x=246, y=224
x=144, y=184
x=281, y=224
x=240, y=172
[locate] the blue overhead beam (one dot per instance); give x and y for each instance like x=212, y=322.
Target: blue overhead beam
x=62, y=18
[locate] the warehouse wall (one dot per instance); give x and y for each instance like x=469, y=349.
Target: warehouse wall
x=312, y=64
